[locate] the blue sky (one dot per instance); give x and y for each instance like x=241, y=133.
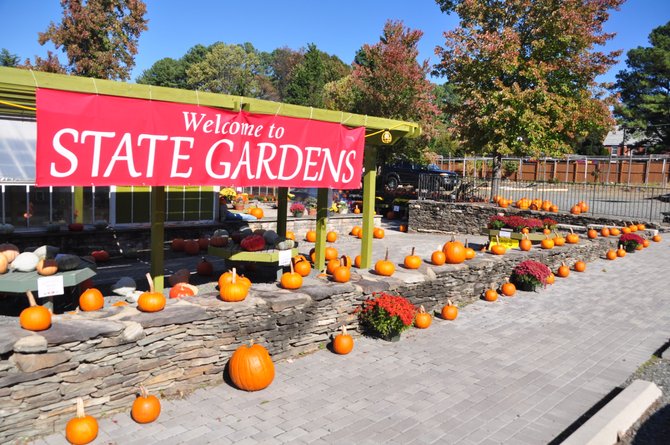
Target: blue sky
x=339, y=28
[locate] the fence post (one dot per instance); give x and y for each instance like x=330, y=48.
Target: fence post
x=665, y=179
x=519, y=176
x=567, y=168
x=646, y=170
x=630, y=166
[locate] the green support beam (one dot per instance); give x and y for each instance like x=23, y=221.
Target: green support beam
x=321, y=228
x=369, y=181
x=78, y=204
x=157, y=237
x=282, y=206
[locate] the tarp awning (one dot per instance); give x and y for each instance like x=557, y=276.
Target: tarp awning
x=17, y=151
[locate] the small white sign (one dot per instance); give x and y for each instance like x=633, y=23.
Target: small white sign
x=284, y=257
x=396, y=208
x=505, y=233
x=50, y=286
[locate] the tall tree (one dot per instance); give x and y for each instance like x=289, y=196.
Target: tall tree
x=644, y=89
x=171, y=73
x=282, y=63
x=526, y=71
x=99, y=37
x=228, y=69
x=7, y=58
x=388, y=81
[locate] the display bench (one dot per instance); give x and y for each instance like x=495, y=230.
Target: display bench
x=270, y=257
x=511, y=239
x=20, y=282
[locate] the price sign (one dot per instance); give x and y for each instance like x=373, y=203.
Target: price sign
x=284, y=257
x=505, y=233
x=50, y=286
x=507, y=242
x=396, y=208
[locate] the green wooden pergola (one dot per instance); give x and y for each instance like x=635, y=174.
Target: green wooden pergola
x=17, y=100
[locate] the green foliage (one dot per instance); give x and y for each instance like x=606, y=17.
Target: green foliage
x=99, y=38
x=525, y=72
x=166, y=72
x=644, y=90
x=8, y=59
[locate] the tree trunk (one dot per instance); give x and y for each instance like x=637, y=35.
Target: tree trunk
x=496, y=175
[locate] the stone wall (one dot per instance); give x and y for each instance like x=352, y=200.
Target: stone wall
x=471, y=218
x=102, y=356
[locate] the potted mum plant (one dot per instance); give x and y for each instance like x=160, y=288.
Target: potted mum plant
x=386, y=316
x=529, y=274
x=297, y=209
x=630, y=241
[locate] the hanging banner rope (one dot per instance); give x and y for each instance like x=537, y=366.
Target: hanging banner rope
x=85, y=139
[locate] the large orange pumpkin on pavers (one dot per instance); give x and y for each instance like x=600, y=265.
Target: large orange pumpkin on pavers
x=251, y=368
x=454, y=251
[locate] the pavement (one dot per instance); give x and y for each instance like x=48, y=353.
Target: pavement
x=521, y=370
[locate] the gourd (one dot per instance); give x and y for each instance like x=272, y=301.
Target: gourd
x=3, y=264
x=9, y=251
x=508, y=289
x=284, y=243
x=45, y=267
x=563, y=271
x=525, y=244
x=91, y=300
x=423, y=319
x=449, y=311
x=579, y=266
x=454, y=251
x=331, y=237
x=203, y=243
x=191, y=247
x=270, y=237
x=81, y=429
x=67, y=261
x=378, y=233
x=343, y=343
x=291, y=280
x=218, y=241
x=25, y=262
x=34, y=317
x=251, y=368
x=438, y=257
x=183, y=290
x=146, y=407
x=234, y=291
x=204, y=268
x=151, y=301
x=412, y=261
x=100, y=256
x=253, y=243
x=302, y=266
x=384, y=267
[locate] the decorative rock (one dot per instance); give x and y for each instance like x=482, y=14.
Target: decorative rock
x=321, y=292
x=278, y=302
x=31, y=344
x=172, y=314
x=124, y=286
x=20, y=392
x=87, y=372
x=67, y=330
x=133, y=331
x=35, y=362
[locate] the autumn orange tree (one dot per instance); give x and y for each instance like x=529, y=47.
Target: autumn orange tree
x=99, y=38
x=525, y=73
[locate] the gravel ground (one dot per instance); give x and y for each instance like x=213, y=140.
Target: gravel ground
x=654, y=427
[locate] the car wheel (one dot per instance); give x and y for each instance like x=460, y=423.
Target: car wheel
x=392, y=182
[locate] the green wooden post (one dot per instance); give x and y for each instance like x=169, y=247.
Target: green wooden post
x=321, y=228
x=157, y=236
x=369, y=178
x=282, y=205
x=79, y=204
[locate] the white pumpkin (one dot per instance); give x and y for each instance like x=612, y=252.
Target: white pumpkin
x=45, y=251
x=25, y=262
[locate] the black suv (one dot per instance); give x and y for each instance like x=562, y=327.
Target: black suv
x=406, y=173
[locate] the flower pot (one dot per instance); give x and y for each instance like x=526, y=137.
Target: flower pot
x=312, y=212
x=298, y=214
x=239, y=206
x=394, y=337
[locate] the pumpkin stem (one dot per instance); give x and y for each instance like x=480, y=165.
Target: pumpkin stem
x=143, y=392
x=412, y=254
x=234, y=275
x=497, y=239
x=571, y=231
x=251, y=342
x=31, y=298
x=466, y=243
x=421, y=309
x=449, y=303
x=386, y=257
x=151, y=282
x=291, y=264
x=344, y=330
x=80, y=408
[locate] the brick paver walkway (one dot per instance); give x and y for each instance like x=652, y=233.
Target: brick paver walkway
x=517, y=371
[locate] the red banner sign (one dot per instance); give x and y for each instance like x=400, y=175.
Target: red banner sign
x=85, y=139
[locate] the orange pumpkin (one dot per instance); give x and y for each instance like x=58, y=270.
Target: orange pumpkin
x=331, y=237
x=403, y=228
x=438, y=257
x=491, y=294
x=302, y=266
x=605, y=232
x=91, y=300
x=615, y=231
x=4, y=265
x=257, y=212
x=645, y=243
x=310, y=236
x=508, y=289
x=583, y=206
x=378, y=233
x=547, y=243
x=423, y=319
x=151, y=301
x=290, y=235
x=469, y=251
x=355, y=230
x=625, y=229
x=454, y=251
x=191, y=247
x=449, y=311
x=45, y=267
x=81, y=429
x=330, y=253
x=385, y=267
x=633, y=227
x=621, y=252
x=412, y=261
x=357, y=261
x=525, y=244
x=34, y=317
x=182, y=290
x=554, y=208
x=656, y=238
x=575, y=209
x=251, y=368
x=611, y=254
x=641, y=226
x=572, y=238
x=343, y=343
x=146, y=407
x=579, y=266
x=203, y=243
x=551, y=278
x=233, y=291
x=9, y=251
x=291, y=280
x=342, y=273
x=563, y=271
x=177, y=244
x=558, y=240
x=357, y=210
x=498, y=249
x=592, y=234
